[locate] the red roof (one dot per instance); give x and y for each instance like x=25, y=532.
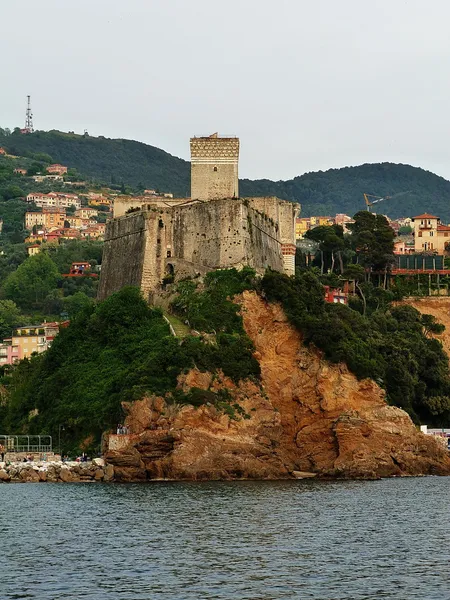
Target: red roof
x=425, y=216
x=443, y=228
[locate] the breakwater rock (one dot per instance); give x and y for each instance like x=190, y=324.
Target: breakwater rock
x=56, y=472
x=306, y=417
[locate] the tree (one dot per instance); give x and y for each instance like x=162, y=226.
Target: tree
x=331, y=244
x=373, y=241
x=431, y=325
x=12, y=191
x=32, y=281
x=35, y=168
x=10, y=317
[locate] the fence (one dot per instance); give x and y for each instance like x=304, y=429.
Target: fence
x=26, y=443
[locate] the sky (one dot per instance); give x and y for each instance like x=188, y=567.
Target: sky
x=307, y=85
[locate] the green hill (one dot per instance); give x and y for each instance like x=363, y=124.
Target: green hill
x=321, y=193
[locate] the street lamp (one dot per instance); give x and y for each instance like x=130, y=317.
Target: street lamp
x=60, y=428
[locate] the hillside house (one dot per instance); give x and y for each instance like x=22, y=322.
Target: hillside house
x=2, y=151
x=27, y=340
x=54, y=199
x=20, y=171
x=33, y=249
x=86, y=213
x=430, y=234
x=57, y=169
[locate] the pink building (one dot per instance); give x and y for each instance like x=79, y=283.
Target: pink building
x=9, y=354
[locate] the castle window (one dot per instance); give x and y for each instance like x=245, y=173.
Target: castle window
x=161, y=223
x=169, y=254
x=215, y=169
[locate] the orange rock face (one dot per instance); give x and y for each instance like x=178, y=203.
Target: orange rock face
x=307, y=416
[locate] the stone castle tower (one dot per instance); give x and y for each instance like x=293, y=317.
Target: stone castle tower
x=214, y=167
x=154, y=241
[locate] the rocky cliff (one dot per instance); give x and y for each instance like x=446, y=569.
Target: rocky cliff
x=306, y=417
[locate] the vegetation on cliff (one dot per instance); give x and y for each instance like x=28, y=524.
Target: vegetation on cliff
x=320, y=193
x=121, y=349
x=117, y=351
x=391, y=345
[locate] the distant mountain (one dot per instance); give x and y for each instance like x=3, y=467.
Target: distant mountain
x=320, y=193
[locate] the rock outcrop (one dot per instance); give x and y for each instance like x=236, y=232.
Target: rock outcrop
x=306, y=418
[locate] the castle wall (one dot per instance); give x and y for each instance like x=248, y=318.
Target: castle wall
x=123, y=254
x=142, y=248
x=282, y=212
x=214, y=168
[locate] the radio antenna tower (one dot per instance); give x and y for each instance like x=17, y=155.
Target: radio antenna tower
x=28, y=118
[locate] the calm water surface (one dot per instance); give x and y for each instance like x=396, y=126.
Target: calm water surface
x=240, y=540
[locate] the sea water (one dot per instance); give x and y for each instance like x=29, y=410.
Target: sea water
x=235, y=540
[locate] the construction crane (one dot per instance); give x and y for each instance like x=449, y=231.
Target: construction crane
x=370, y=203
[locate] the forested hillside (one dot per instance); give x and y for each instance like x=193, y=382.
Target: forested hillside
x=109, y=161
x=321, y=193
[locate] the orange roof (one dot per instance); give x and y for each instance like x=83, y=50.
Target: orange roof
x=425, y=216
x=443, y=228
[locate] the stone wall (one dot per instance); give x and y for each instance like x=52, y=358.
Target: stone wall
x=123, y=254
x=144, y=247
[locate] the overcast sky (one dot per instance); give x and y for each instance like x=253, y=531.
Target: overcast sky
x=305, y=84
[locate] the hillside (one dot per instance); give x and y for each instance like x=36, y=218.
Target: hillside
x=110, y=161
x=323, y=192
x=261, y=387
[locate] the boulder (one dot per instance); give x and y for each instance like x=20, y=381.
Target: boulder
x=109, y=473
x=66, y=475
x=99, y=474
x=303, y=474
x=4, y=476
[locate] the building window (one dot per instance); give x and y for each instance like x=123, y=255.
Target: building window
x=420, y=234
x=215, y=169
x=431, y=233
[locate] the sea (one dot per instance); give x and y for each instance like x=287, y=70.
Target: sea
x=240, y=540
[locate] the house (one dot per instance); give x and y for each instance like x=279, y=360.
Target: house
x=302, y=225
x=27, y=340
x=57, y=169
x=335, y=296
x=430, y=234
x=99, y=200
x=86, y=212
x=79, y=268
x=93, y=232
x=402, y=247
x=55, y=199
x=67, y=233
x=9, y=354
x=50, y=217
x=41, y=178
x=3, y=151
x=20, y=171
x=33, y=249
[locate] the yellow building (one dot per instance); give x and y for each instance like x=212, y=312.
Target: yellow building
x=33, y=249
x=302, y=225
x=430, y=235
x=29, y=340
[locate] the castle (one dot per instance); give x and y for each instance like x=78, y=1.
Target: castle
x=151, y=241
